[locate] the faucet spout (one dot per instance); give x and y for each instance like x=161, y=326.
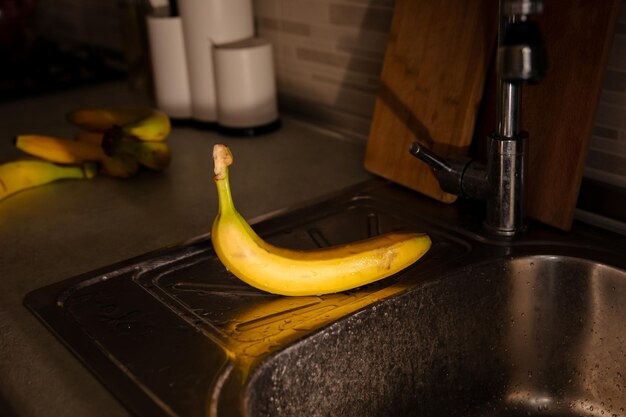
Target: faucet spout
x=521, y=58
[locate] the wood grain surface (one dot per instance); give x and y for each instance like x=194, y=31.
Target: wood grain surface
x=558, y=113
x=431, y=86
x=439, y=65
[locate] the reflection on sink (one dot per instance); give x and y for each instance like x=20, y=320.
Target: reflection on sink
x=534, y=335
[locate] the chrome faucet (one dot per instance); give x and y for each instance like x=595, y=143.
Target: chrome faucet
x=521, y=58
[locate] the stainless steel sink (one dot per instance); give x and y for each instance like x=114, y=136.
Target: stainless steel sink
x=528, y=335
x=478, y=327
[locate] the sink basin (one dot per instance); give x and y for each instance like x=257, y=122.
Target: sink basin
x=524, y=336
x=477, y=327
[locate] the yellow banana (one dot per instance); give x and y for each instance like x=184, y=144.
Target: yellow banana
x=153, y=155
x=64, y=151
x=294, y=272
x=19, y=175
x=144, y=123
x=58, y=150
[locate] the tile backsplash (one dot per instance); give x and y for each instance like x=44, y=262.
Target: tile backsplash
x=606, y=160
x=329, y=56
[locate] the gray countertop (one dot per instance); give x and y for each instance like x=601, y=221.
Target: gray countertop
x=67, y=228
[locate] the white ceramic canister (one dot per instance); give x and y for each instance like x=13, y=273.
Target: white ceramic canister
x=206, y=24
x=246, y=84
x=169, y=66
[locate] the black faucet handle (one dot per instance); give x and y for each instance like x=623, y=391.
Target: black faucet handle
x=426, y=155
x=463, y=177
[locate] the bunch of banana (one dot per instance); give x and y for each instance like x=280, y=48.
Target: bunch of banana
x=295, y=272
x=20, y=175
x=119, y=140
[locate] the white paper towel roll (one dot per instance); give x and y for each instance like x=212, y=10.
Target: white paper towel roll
x=169, y=66
x=246, y=84
x=207, y=23
x=222, y=21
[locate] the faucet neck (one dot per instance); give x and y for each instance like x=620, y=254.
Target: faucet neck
x=506, y=172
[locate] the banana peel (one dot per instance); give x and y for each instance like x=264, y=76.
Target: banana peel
x=303, y=273
x=63, y=151
x=16, y=176
x=58, y=150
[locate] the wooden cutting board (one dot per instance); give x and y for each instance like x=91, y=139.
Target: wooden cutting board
x=559, y=112
x=436, y=64
x=431, y=86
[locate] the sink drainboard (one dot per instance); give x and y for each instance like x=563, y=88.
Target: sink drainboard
x=474, y=328
x=163, y=332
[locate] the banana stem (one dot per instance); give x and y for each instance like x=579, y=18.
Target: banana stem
x=224, y=196
x=222, y=159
